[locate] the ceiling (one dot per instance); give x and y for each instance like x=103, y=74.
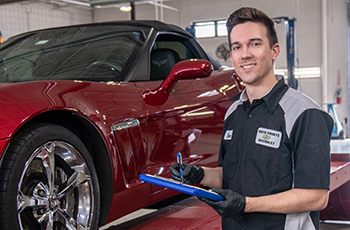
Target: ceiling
x=88, y=3
x=9, y=1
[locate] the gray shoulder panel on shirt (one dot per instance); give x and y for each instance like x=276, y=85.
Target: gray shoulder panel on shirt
x=294, y=103
x=232, y=108
x=299, y=221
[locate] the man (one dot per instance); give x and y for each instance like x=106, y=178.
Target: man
x=274, y=161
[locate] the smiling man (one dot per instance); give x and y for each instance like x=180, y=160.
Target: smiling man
x=253, y=57
x=274, y=160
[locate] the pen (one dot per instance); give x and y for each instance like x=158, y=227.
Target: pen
x=179, y=160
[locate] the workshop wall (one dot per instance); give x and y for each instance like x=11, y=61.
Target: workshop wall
x=19, y=18
x=144, y=11
x=338, y=57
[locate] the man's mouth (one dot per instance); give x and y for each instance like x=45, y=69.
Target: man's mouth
x=248, y=66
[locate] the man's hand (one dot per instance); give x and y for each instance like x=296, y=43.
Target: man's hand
x=232, y=204
x=191, y=174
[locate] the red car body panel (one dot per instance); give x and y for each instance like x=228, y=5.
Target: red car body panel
x=179, y=129
x=3, y=145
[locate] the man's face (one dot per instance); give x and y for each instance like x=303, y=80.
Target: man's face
x=251, y=55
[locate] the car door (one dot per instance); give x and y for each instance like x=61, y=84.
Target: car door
x=190, y=121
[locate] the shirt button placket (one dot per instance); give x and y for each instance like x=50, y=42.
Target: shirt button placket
x=249, y=116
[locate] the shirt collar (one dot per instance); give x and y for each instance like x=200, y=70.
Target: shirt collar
x=271, y=98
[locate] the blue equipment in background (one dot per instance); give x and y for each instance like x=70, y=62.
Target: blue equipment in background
x=338, y=131
x=290, y=34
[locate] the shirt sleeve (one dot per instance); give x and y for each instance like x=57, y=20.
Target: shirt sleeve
x=310, y=140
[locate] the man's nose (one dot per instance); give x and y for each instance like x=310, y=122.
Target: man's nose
x=246, y=52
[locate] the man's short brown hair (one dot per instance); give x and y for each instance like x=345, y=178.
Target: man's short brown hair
x=249, y=14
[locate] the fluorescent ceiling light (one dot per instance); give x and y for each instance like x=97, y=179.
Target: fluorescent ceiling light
x=77, y=2
x=311, y=72
x=125, y=8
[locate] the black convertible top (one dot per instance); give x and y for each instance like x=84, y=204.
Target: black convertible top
x=146, y=23
x=159, y=26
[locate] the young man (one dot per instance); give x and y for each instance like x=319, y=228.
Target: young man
x=274, y=160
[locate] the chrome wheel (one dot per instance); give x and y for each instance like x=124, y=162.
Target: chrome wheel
x=55, y=188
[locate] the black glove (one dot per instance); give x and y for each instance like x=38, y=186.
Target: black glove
x=232, y=204
x=191, y=174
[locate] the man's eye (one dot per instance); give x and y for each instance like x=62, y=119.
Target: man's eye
x=255, y=44
x=235, y=47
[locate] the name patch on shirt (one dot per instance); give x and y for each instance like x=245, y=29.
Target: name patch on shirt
x=268, y=137
x=228, y=135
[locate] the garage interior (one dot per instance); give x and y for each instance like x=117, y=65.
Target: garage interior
x=322, y=54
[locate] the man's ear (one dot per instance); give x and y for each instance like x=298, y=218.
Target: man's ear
x=276, y=50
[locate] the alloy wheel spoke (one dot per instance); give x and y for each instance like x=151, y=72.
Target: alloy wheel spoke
x=48, y=222
x=24, y=201
x=47, y=155
x=70, y=223
x=77, y=178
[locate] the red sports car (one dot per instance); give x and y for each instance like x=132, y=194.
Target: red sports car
x=85, y=109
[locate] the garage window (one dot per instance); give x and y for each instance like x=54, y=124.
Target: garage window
x=210, y=29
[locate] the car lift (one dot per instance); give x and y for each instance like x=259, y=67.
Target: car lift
x=290, y=35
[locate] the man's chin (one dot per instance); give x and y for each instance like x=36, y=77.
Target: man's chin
x=248, y=79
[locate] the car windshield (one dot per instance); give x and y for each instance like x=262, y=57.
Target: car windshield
x=100, y=53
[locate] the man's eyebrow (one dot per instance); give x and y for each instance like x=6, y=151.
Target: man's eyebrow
x=250, y=40
x=255, y=39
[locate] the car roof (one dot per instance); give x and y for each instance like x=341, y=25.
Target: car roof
x=137, y=24
x=146, y=23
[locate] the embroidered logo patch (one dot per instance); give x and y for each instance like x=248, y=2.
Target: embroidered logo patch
x=228, y=135
x=268, y=137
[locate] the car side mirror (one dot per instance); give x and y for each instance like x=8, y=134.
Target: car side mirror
x=186, y=69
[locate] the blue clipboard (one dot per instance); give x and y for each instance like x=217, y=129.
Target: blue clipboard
x=178, y=186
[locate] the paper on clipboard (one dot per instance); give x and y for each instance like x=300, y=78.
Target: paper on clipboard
x=178, y=186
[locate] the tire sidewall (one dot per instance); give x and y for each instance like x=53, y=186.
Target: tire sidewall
x=22, y=147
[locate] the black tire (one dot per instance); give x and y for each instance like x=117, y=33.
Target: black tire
x=30, y=199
